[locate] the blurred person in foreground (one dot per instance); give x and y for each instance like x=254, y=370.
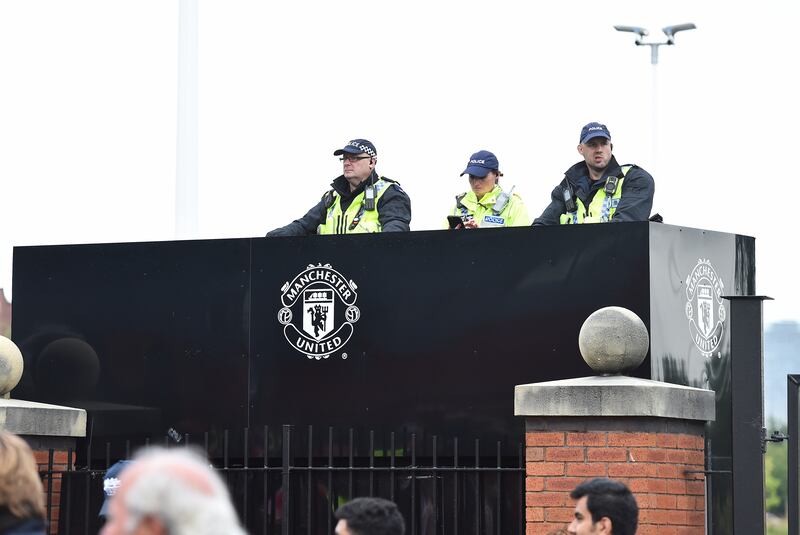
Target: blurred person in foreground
x=111, y=485
x=21, y=495
x=171, y=492
x=369, y=516
x=605, y=507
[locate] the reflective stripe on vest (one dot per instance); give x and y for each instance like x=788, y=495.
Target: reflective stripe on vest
x=337, y=222
x=601, y=209
x=487, y=215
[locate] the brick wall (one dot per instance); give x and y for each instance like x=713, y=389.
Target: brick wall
x=652, y=464
x=60, y=459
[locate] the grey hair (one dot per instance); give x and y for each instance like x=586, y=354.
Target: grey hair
x=177, y=487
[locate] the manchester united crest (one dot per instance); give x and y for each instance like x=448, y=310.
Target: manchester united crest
x=705, y=309
x=318, y=311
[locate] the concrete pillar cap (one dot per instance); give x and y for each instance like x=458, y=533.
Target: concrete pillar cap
x=614, y=395
x=41, y=419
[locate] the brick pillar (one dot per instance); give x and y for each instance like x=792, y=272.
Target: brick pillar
x=46, y=427
x=646, y=434
x=51, y=478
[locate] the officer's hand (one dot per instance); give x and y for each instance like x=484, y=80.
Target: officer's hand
x=470, y=224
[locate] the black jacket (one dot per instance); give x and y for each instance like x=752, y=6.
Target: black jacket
x=634, y=205
x=11, y=525
x=394, y=209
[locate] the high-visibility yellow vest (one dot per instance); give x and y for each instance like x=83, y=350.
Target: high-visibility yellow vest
x=356, y=219
x=485, y=214
x=601, y=209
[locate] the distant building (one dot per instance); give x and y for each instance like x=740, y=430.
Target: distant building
x=5, y=315
x=781, y=341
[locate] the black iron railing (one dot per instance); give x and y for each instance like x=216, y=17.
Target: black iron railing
x=290, y=480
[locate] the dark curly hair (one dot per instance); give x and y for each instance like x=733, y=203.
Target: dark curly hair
x=372, y=516
x=612, y=499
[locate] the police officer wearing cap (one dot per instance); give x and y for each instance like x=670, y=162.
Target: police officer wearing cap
x=598, y=189
x=486, y=205
x=360, y=201
x=111, y=483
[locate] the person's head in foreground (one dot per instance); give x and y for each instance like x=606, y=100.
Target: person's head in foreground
x=171, y=492
x=604, y=507
x=369, y=516
x=21, y=494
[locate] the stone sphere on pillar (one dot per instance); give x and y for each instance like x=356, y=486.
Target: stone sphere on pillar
x=613, y=340
x=11, y=365
x=67, y=370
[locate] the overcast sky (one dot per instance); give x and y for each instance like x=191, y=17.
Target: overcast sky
x=88, y=93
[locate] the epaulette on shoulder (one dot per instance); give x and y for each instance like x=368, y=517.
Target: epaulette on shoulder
x=395, y=183
x=328, y=198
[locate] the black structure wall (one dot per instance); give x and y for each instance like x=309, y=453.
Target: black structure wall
x=188, y=335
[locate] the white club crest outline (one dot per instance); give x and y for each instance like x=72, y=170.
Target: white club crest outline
x=313, y=294
x=705, y=308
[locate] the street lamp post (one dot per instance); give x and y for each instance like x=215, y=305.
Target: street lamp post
x=670, y=32
x=186, y=172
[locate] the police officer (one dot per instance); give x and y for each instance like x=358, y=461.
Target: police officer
x=360, y=201
x=598, y=189
x=486, y=205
